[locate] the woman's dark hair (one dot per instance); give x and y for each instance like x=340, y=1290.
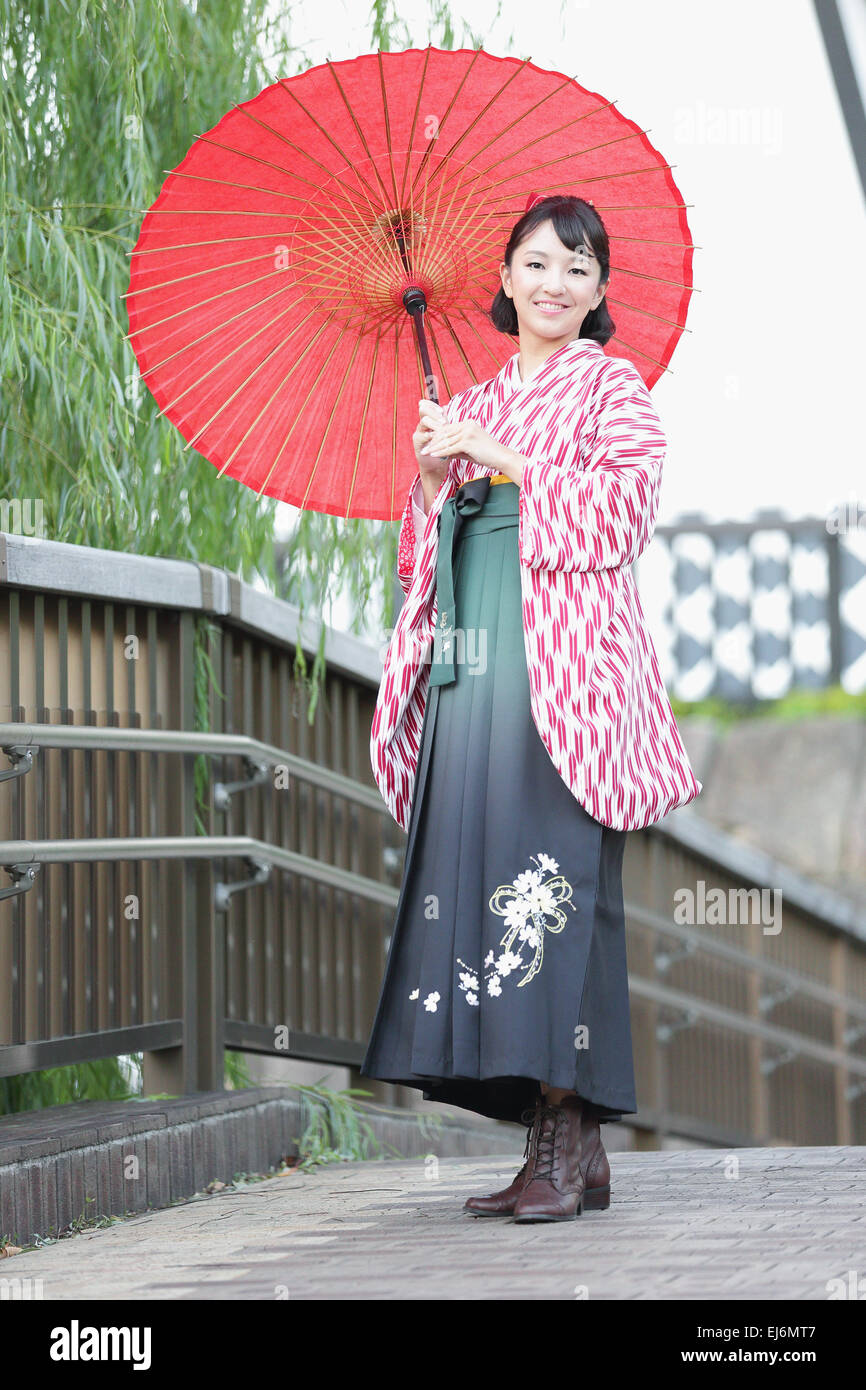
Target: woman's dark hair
x=576, y=223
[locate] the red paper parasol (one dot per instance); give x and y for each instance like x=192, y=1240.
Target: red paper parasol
x=276, y=276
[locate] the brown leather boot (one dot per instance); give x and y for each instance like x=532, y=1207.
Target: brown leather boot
x=593, y=1164
x=554, y=1186
x=502, y=1203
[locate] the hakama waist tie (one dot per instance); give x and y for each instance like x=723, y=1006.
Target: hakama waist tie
x=472, y=498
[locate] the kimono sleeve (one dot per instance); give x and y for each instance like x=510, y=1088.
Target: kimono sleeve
x=597, y=511
x=411, y=531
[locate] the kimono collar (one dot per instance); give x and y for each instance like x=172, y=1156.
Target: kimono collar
x=561, y=359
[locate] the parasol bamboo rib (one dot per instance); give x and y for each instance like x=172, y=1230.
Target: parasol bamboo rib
x=615, y=207
x=573, y=154
x=482, y=342
x=528, y=111
x=362, y=424
x=406, y=252
x=191, y=245
x=196, y=274
x=414, y=126
x=472, y=226
x=331, y=418
x=325, y=433
x=233, y=289
x=394, y=399
x=230, y=183
x=299, y=149
x=361, y=245
x=259, y=159
x=218, y=328
x=631, y=348
x=658, y=279
x=253, y=188
x=342, y=186
x=660, y=318
x=545, y=135
x=225, y=323
x=388, y=144
x=293, y=368
x=333, y=142
x=341, y=152
x=470, y=126
x=299, y=412
x=238, y=348
x=593, y=178
x=361, y=136
x=448, y=156
x=449, y=108
x=476, y=193
x=213, y=212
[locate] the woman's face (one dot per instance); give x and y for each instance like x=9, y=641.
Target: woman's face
x=553, y=288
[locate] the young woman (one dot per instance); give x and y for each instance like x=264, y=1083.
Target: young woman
x=520, y=752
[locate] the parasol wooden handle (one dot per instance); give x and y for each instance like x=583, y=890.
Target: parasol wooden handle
x=416, y=303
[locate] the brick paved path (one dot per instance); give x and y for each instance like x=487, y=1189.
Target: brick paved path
x=705, y=1224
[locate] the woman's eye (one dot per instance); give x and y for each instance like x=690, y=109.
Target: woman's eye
x=530, y=265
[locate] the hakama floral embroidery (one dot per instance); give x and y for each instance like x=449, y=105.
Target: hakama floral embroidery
x=431, y=1003
x=530, y=906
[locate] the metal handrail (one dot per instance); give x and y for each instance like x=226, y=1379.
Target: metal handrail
x=736, y=956
x=694, y=1007
x=17, y=740
x=24, y=858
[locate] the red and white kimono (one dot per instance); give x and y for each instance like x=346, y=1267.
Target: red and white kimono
x=587, y=508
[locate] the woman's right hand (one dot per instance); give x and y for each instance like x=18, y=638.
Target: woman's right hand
x=430, y=416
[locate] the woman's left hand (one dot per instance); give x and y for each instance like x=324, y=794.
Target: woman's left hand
x=466, y=439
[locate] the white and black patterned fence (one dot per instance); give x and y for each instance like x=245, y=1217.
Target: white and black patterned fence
x=751, y=610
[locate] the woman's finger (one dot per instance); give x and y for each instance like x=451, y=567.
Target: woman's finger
x=438, y=444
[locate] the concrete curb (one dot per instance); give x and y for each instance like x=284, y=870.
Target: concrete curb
x=116, y=1158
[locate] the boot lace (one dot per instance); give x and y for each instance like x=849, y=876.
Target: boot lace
x=547, y=1139
x=527, y=1117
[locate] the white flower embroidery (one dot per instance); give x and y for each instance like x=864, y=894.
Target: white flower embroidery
x=431, y=1002
x=516, y=912
x=541, y=899
x=468, y=982
x=527, y=880
x=414, y=994
x=529, y=934
x=527, y=904
x=538, y=900
x=507, y=962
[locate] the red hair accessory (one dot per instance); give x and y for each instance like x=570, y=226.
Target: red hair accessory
x=537, y=198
